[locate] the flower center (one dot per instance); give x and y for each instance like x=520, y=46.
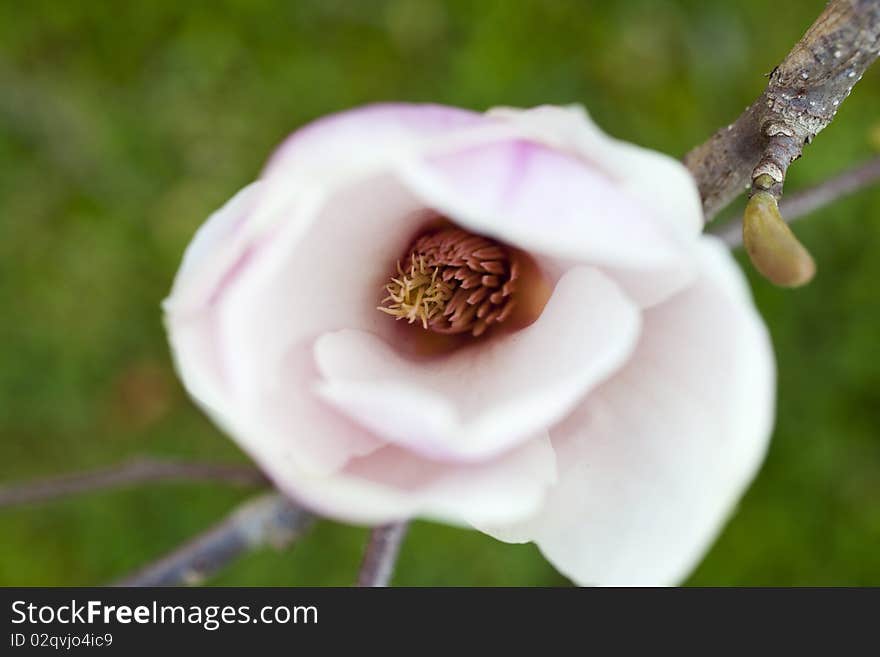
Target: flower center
x=454, y=282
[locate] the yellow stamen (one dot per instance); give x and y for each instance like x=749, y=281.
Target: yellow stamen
x=416, y=295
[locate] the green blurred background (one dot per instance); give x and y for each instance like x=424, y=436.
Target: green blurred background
x=123, y=125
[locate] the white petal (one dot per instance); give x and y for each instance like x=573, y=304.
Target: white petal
x=200, y=260
x=479, y=401
x=652, y=465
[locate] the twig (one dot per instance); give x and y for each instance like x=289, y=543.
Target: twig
x=802, y=97
x=852, y=180
x=132, y=472
x=267, y=520
x=795, y=206
x=381, y=555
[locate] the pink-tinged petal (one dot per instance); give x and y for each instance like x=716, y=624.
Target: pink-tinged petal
x=544, y=201
x=214, y=233
x=360, y=137
x=189, y=317
x=394, y=484
x=211, y=253
x=479, y=401
x=197, y=359
x=344, y=149
x=652, y=464
x=660, y=182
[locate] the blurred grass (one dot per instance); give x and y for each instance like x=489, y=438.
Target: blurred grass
x=122, y=126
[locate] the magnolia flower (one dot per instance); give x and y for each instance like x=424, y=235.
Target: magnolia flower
x=509, y=321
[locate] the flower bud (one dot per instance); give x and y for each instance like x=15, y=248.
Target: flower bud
x=772, y=247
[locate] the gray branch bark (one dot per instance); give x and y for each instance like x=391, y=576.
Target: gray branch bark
x=271, y=520
x=136, y=471
x=802, y=97
x=381, y=555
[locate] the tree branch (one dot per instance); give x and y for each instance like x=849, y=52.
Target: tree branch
x=802, y=97
x=270, y=519
x=132, y=472
x=795, y=206
x=381, y=555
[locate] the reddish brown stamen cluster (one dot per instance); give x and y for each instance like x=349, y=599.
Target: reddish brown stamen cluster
x=457, y=282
